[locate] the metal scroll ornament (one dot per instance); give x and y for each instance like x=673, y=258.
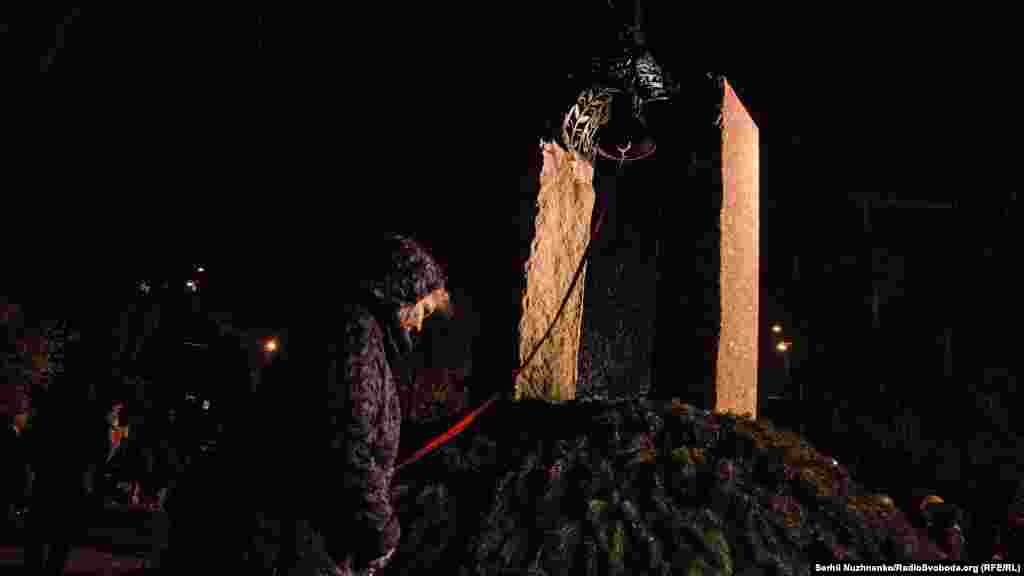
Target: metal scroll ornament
x=581, y=123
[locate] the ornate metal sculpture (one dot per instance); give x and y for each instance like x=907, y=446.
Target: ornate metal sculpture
x=587, y=115
x=630, y=72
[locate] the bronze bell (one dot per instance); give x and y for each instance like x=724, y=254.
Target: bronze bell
x=626, y=137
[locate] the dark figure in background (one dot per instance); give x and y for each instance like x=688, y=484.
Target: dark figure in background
x=948, y=527
x=329, y=510
x=1000, y=551
x=123, y=467
x=59, y=451
x=945, y=524
x=168, y=459
x=117, y=466
x=15, y=473
x=208, y=501
x=1013, y=535
x=15, y=468
x=162, y=457
x=121, y=497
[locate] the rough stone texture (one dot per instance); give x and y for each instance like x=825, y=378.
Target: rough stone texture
x=620, y=306
x=561, y=229
x=736, y=385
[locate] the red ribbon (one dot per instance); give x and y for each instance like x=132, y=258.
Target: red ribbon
x=449, y=434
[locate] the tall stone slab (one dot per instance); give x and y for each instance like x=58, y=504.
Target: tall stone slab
x=736, y=376
x=557, y=205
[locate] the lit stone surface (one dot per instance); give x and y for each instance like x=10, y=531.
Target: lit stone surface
x=736, y=386
x=565, y=202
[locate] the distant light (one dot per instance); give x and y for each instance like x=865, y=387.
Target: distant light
x=144, y=287
x=777, y=329
x=200, y=269
x=270, y=346
x=191, y=285
x=206, y=404
x=782, y=346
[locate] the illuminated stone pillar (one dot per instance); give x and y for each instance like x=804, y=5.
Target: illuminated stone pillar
x=557, y=215
x=736, y=370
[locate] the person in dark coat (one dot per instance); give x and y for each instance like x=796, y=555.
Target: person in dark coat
x=123, y=469
x=1013, y=535
x=14, y=476
x=302, y=483
x=168, y=459
x=119, y=461
x=15, y=473
x=347, y=431
x=945, y=524
x=159, y=465
x=59, y=454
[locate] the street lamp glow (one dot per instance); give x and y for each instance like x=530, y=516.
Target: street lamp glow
x=270, y=346
x=200, y=269
x=777, y=329
x=782, y=346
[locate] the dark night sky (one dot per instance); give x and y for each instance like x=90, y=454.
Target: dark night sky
x=215, y=150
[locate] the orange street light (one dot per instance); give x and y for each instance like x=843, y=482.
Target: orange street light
x=270, y=346
x=777, y=329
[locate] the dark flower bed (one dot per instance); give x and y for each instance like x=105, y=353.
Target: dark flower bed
x=639, y=487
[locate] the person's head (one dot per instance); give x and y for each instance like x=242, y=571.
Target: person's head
x=113, y=415
x=119, y=418
x=408, y=283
